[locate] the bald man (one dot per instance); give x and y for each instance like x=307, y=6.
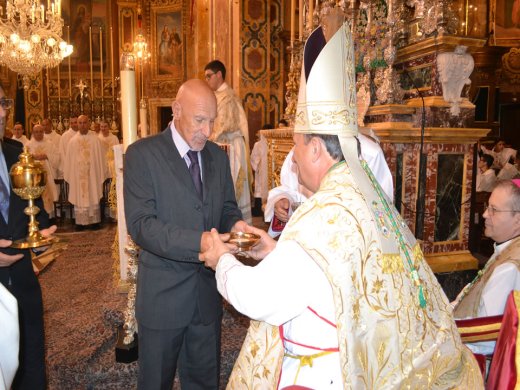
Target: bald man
x=43, y=150
x=85, y=169
x=177, y=186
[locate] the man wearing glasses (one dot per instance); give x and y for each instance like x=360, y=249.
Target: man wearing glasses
x=231, y=128
x=16, y=272
x=487, y=294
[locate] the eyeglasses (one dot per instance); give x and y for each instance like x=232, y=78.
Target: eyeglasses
x=6, y=103
x=207, y=76
x=492, y=210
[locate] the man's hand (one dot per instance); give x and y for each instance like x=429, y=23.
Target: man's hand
x=281, y=209
x=240, y=226
x=45, y=233
x=264, y=246
x=217, y=247
x=7, y=260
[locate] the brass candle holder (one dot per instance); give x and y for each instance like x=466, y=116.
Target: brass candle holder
x=28, y=178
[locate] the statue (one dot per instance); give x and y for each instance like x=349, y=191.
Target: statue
x=454, y=71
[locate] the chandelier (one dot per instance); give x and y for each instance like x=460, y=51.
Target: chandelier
x=30, y=37
x=140, y=45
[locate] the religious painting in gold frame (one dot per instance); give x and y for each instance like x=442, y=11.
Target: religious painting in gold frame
x=168, y=43
x=505, y=22
x=86, y=21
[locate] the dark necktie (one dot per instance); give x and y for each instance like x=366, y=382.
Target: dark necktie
x=195, y=171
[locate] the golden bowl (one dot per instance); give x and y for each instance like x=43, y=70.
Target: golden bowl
x=244, y=241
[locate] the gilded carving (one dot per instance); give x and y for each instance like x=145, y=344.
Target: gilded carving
x=511, y=65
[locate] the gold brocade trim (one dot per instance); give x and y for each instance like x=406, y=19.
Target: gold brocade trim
x=391, y=264
x=306, y=360
x=480, y=328
x=331, y=117
x=472, y=339
x=239, y=185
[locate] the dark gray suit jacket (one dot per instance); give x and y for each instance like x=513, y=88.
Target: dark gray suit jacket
x=166, y=218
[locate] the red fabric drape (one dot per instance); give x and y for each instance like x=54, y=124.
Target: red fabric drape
x=503, y=373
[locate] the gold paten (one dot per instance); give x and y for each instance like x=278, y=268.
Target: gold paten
x=28, y=180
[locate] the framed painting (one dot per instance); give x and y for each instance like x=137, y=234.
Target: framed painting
x=505, y=22
x=168, y=44
x=86, y=29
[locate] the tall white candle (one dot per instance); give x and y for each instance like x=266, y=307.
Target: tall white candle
x=143, y=120
x=128, y=100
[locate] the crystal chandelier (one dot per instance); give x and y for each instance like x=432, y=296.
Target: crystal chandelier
x=30, y=37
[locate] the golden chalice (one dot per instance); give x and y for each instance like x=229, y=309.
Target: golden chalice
x=28, y=180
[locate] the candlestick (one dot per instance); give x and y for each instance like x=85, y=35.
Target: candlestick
x=112, y=62
x=91, y=67
x=48, y=94
x=128, y=100
x=70, y=73
x=311, y=11
x=101, y=58
x=300, y=20
x=59, y=89
x=293, y=16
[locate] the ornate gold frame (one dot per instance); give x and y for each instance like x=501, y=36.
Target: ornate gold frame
x=501, y=39
x=156, y=12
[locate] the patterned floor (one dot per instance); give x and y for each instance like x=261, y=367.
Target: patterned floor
x=83, y=311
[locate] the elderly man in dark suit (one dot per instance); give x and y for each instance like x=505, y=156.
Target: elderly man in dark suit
x=16, y=272
x=177, y=186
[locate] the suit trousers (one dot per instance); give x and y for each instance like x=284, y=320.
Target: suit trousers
x=195, y=347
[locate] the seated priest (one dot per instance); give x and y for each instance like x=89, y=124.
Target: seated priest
x=486, y=177
x=487, y=294
x=345, y=299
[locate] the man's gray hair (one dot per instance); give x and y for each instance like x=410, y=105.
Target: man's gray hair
x=514, y=191
x=331, y=143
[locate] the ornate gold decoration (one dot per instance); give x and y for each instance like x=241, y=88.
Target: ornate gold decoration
x=28, y=180
x=511, y=65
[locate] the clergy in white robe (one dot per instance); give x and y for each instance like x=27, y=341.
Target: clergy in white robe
x=345, y=299
x=51, y=134
x=45, y=152
x=64, y=142
x=500, y=153
x=18, y=134
x=486, y=177
x=85, y=171
x=231, y=128
x=259, y=166
x=487, y=294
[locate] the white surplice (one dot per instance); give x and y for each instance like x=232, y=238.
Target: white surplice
x=9, y=338
x=51, y=192
x=85, y=171
x=259, y=165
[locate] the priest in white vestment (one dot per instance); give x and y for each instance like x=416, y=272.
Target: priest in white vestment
x=500, y=153
x=85, y=171
x=18, y=134
x=51, y=134
x=345, y=299
x=64, y=141
x=45, y=152
x=231, y=128
x=487, y=294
